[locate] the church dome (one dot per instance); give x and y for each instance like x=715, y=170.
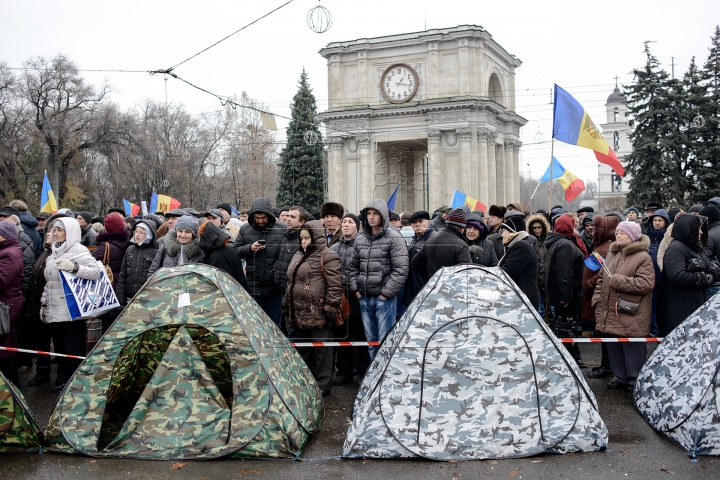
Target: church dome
x=616, y=97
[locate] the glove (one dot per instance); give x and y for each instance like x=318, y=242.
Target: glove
x=695, y=265
x=705, y=279
x=67, y=265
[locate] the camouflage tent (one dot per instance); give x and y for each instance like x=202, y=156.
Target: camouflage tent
x=19, y=432
x=678, y=389
x=192, y=369
x=471, y=372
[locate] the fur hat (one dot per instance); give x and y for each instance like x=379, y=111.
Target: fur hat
x=188, y=222
x=114, y=222
x=497, y=211
x=8, y=230
x=456, y=217
x=632, y=230
x=331, y=208
x=514, y=224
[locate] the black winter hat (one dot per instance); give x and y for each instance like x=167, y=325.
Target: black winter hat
x=672, y=213
x=354, y=219
x=87, y=216
x=332, y=208
x=394, y=216
x=419, y=215
x=456, y=217
x=712, y=212
x=585, y=209
x=653, y=206
x=225, y=206
x=7, y=211
x=120, y=210
x=514, y=224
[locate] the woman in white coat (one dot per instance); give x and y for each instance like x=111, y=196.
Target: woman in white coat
x=69, y=255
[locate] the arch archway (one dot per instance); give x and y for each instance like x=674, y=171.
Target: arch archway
x=495, y=91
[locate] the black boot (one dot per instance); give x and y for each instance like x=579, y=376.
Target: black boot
x=40, y=378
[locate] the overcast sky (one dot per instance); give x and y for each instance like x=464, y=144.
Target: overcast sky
x=580, y=46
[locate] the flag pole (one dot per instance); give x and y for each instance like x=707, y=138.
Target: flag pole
x=527, y=207
x=552, y=155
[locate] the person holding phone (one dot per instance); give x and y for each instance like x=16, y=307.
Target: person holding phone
x=258, y=242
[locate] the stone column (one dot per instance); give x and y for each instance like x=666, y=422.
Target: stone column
x=418, y=181
x=367, y=169
x=500, y=174
x=492, y=168
x=434, y=173
x=466, y=168
x=509, y=171
x=481, y=173
x=337, y=176
x=516, y=168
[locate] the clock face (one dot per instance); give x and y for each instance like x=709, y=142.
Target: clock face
x=399, y=83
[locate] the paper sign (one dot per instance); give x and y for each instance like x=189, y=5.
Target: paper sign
x=144, y=207
x=183, y=300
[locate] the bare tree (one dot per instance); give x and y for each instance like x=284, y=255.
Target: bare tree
x=67, y=112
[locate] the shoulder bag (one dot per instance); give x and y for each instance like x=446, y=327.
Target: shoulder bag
x=106, y=263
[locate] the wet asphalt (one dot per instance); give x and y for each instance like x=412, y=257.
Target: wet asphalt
x=634, y=451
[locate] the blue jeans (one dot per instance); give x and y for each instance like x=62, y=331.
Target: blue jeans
x=378, y=318
x=272, y=306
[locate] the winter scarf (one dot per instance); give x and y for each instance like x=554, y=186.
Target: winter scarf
x=564, y=226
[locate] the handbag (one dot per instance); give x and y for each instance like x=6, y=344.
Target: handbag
x=106, y=263
x=4, y=319
x=343, y=311
x=627, y=307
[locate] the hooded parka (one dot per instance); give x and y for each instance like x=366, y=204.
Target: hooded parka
x=214, y=244
x=482, y=251
x=603, y=236
x=380, y=261
x=685, y=273
x=53, y=298
x=311, y=298
x=541, y=249
x=136, y=264
x=633, y=279
x=259, y=265
x=118, y=243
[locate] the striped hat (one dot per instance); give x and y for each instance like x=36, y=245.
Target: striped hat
x=456, y=217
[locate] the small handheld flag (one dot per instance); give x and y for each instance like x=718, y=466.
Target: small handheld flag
x=47, y=200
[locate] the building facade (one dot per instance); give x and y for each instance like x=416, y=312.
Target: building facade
x=617, y=133
x=432, y=110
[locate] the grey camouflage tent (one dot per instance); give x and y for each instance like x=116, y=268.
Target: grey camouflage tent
x=471, y=372
x=192, y=369
x=678, y=389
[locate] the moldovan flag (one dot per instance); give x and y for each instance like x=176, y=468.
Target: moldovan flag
x=47, y=200
x=572, y=124
x=131, y=209
x=459, y=199
x=573, y=185
x=163, y=203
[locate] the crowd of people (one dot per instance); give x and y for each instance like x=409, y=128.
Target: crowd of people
x=647, y=273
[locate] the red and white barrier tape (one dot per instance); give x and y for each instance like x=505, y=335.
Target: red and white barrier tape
x=371, y=344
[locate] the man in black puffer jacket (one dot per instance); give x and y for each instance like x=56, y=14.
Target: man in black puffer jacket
x=259, y=243
x=712, y=249
x=289, y=244
x=445, y=249
x=378, y=271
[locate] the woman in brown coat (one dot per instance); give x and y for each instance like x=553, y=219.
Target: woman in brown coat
x=313, y=295
x=603, y=236
x=631, y=279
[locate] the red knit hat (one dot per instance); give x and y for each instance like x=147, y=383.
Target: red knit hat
x=114, y=222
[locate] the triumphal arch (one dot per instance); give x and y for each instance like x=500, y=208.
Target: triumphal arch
x=431, y=110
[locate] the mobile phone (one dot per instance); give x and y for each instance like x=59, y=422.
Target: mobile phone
x=261, y=242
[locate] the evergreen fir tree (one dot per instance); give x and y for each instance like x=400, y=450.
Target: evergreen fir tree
x=658, y=162
x=709, y=129
x=695, y=103
x=301, y=165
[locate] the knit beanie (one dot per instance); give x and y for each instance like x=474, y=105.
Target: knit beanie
x=114, y=222
x=695, y=209
x=631, y=228
x=87, y=216
x=475, y=224
x=456, y=217
x=225, y=206
x=188, y=222
x=514, y=224
x=8, y=230
x=354, y=219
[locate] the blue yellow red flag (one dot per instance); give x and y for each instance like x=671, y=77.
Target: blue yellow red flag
x=459, y=199
x=47, y=199
x=573, y=125
x=163, y=203
x=131, y=209
x=557, y=171
x=572, y=185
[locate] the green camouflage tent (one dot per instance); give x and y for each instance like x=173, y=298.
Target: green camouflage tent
x=19, y=432
x=192, y=369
